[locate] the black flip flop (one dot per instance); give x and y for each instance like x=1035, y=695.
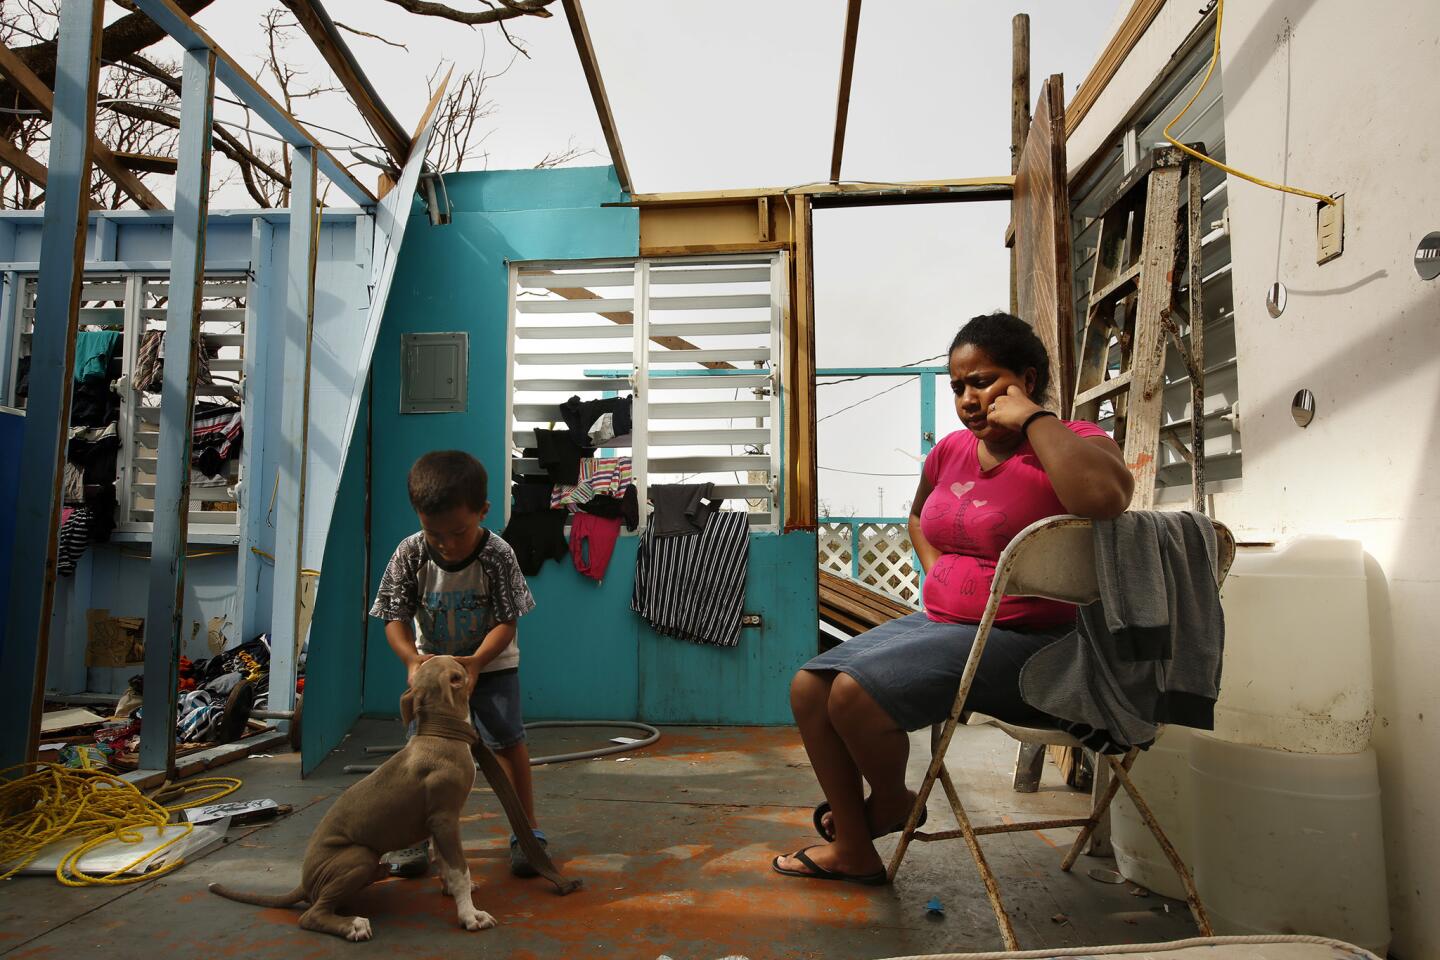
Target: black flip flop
x=814, y=871
x=823, y=807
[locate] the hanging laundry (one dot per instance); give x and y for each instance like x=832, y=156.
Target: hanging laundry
x=74, y=539
x=215, y=436
x=94, y=453
x=625, y=507
x=599, y=477
x=603, y=431
x=535, y=532
x=94, y=403
x=94, y=349
x=150, y=364
x=74, y=485
x=560, y=454
x=579, y=414
x=535, y=538
x=693, y=588
x=22, y=378
x=681, y=509
x=592, y=543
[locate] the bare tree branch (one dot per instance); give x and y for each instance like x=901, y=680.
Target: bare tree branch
x=558, y=158
x=129, y=34
x=372, y=36
x=509, y=10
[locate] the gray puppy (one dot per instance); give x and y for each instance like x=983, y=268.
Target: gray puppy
x=416, y=794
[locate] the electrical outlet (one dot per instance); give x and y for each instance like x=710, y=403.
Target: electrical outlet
x=1330, y=229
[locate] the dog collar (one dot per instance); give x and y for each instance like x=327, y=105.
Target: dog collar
x=448, y=728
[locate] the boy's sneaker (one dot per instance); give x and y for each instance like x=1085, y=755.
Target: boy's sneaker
x=410, y=862
x=520, y=865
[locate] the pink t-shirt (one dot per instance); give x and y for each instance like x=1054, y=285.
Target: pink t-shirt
x=972, y=515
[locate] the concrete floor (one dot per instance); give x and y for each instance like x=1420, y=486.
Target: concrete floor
x=673, y=845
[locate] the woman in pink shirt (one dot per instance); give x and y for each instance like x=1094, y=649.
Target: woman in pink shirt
x=1013, y=464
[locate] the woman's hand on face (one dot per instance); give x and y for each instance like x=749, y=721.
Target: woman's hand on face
x=1011, y=409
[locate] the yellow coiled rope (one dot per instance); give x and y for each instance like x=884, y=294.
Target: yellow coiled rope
x=54, y=803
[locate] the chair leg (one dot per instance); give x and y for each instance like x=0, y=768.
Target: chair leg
x=992, y=886
x=1192, y=895
x=1100, y=836
x=1099, y=809
x=1029, y=764
x=939, y=741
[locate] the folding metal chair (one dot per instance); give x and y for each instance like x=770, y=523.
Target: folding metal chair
x=1052, y=558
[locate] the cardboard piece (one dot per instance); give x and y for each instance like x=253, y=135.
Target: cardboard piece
x=113, y=641
x=57, y=720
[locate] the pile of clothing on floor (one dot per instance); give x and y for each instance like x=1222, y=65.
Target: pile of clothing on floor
x=216, y=694
x=691, y=566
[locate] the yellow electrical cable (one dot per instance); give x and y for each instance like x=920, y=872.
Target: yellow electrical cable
x=1214, y=59
x=304, y=571
x=55, y=803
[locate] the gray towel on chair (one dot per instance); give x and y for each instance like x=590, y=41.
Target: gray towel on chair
x=1149, y=651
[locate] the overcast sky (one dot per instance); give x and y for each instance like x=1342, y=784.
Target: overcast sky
x=742, y=94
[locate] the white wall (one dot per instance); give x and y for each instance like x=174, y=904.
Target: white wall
x=1336, y=96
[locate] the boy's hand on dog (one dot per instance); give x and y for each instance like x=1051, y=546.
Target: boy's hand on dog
x=472, y=666
x=414, y=665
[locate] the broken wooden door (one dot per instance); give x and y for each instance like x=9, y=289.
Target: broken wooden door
x=1041, y=214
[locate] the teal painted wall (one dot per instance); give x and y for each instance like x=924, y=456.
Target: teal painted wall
x=584, y=654
x=335, y=662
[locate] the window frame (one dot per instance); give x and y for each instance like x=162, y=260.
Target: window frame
x=642, y=348
x=127, y=529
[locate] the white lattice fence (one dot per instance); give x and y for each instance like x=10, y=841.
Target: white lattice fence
x=835, y=548
x=886, y=558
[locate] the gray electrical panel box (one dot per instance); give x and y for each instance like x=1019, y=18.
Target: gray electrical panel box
x=432, y=372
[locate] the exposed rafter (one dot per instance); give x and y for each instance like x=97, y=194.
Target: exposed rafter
x=188, y=34
x=43, y=98
x=24, y=164
x=841, y=194
x=847, y=70
x=313, y=19
x=591, y=66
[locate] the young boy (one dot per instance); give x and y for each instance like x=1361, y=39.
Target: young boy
x=455, y=588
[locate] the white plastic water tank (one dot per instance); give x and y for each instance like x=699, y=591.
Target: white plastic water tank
x=1289, y=842
x=1162, y=775
x=1297, y=673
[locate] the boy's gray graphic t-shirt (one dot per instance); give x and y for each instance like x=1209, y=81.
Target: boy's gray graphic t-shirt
x=453, y=606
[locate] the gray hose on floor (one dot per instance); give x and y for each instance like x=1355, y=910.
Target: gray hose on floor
x=651, y=735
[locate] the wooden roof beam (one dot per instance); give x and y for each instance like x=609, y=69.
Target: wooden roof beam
x=840, y=194
x=586, y=49
x=847, y=70
x=43, y=98
x=186, y=32
x=316, y=22
x=24, y=164
x=148, y=162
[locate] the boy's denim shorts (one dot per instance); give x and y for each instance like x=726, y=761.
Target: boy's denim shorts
x=495, y=710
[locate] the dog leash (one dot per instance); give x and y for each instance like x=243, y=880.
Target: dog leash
x=519, y=823
x=452, y=728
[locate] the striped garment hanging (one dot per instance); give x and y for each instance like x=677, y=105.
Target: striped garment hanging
x=74, y=538
x=693, y=587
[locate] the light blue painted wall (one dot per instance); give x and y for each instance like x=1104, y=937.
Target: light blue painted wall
x=584, y=654
x=336, y=659
x=114, y=575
